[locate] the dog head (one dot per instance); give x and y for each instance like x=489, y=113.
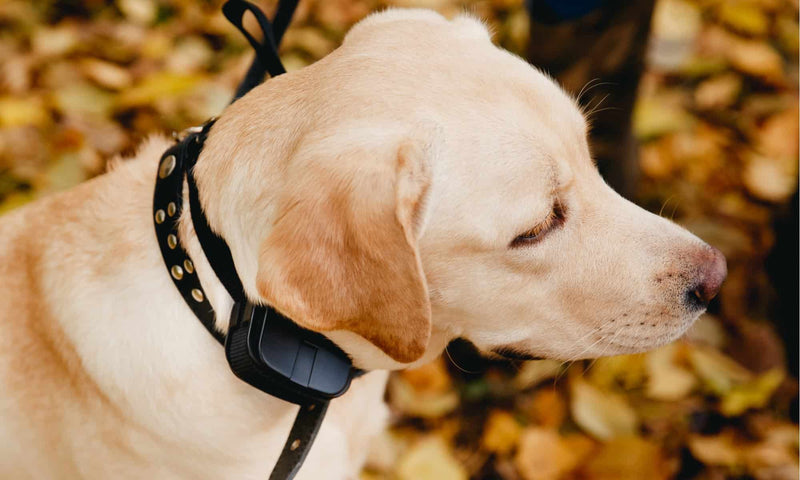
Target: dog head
x=420, y=184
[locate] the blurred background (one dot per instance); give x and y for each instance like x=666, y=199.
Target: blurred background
x=694, y=105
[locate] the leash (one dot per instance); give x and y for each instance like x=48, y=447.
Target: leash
x=261, y=342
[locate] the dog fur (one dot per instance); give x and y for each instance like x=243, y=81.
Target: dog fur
x=375, y=195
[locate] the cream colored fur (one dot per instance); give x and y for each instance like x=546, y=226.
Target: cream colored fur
x=374, y=196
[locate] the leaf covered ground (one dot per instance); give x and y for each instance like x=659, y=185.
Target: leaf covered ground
x=83, y=81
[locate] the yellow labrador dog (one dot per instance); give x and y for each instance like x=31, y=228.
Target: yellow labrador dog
x=416, y=185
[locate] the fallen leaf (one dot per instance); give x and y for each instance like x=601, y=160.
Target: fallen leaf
x=544, y=455
x=626, y=370
x=426, y=405
x=106, y=74
x=770, y=179
x=156, y=87
x=778, y=136
x=718, y=92
x=534, y=372
x=83, y=98
x=659, y=115
x=429, y=378
x=430, y=459
x=665, y=379
x=16, y=112
x=718, y=372
x=627, y=458
x=707, y=330
x=758, y=59
x=501, y=432
x=601, y=413
x=139, y=11
x=57, y=41
x=548, y=408
x=744, y=17
x=752, y=394
x=675, y=25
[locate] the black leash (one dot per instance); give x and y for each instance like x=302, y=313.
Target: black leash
x=267, y=59
x=176, y=164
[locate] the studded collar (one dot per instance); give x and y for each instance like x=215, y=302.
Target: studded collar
x=175, y=168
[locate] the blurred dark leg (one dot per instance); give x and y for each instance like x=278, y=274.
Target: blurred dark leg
x=578, y=41
x=782, y=267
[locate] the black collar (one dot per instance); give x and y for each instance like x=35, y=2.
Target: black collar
x=177, y=164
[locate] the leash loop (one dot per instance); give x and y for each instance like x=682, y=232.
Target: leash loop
x=267, y=59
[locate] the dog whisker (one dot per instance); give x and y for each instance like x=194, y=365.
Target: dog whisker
x=663, y=205
x=455, y=364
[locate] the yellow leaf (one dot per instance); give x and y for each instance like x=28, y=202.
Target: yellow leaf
x=106, y=74
x=708, y=330
x=82, y=98
x=548, y=408
x=15, y=112
x=533, y=372
x=139, y=11
x=715, y=450
x=625, y=369
x=544, y=455
x=430, y=459
x=718, y=372
x=778, y=136
x=157, y=86
x=665, y=379
x=426, y=405
x=602, y=414
x=758, y=59
x=753, y=394
x=429, y=378
x=627, y=458
x=501, y=432
x=15, y=200
x=658, y=115
x=746, y=18
x=771, y=179
x=718, y=92
x=55, y=41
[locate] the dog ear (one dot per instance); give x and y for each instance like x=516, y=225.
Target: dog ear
x=343, y=253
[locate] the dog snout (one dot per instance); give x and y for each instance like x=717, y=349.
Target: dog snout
x=711, y=272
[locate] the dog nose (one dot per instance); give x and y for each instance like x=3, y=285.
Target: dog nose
x=712, y=270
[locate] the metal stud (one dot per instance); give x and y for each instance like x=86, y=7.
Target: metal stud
x=188, y=266
x=160, y=216
x=295, y=445
x=171, y=209
x=197, y=294
x=172, y=241
x=167, y=166
x=176, y=271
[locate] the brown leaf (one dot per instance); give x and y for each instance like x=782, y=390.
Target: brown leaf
x=627, y=458
x=548, y=408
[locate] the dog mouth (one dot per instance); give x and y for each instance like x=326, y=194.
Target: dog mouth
x=510, y=353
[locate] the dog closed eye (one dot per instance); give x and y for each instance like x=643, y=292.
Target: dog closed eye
x=554, y=220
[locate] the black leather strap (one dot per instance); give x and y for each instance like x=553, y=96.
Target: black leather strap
x=304, y=431
x=267, y=59
x=214, y=247
x=167, y=208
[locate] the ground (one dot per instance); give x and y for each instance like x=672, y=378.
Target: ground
x=717, y=118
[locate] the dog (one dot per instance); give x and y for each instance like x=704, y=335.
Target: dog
x=416, y=185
